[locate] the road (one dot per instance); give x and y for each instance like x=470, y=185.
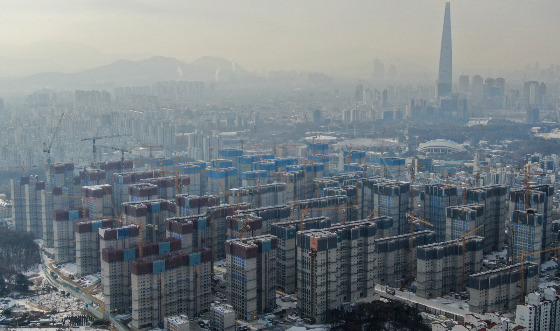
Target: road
x=65, y=283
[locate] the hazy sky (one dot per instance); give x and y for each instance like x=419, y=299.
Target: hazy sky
x=332, y=36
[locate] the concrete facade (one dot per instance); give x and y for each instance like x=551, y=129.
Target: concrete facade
x=499, y=289
x=440, y=266
x=251, y=275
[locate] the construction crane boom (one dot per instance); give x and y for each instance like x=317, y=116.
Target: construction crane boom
x=47, y=148
x=94, y=139
x=522, y=257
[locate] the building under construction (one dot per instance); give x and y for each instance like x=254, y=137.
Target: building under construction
x=115, y=271
x=393, y=256
x=264, y=195
x=436, y=199
x=64, y=249
x=87, y=245
x=119, y=238
x=334, y=265
x=463, y=219
x=98, y=200
x=251, y=275
x=493, y=198
x=501, y=289
x=539, y=198
x=526, y=235
x=150, y=213
x=445, y=266
x=192, y=205
x=269, y=215
x=286, y=254
x=167, y=285
x=241, y=226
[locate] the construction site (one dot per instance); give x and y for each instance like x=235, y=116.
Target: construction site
x=256, y=234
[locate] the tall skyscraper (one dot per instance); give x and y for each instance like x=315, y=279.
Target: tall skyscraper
x=445, y=57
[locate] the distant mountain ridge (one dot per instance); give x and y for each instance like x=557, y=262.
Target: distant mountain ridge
x=130, y=73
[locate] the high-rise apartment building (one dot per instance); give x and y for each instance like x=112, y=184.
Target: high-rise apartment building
x=286, y=265
x=499, y=289
x=493, y=198
x=87, y=245
x=168, y=285
x=392, y=256
x=251, y=275
x=115, y=271
x=63, y=228
x=440, y=266
x=334, y=265
x=436, y=199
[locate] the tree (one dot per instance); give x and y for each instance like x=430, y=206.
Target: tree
x=378, y=315
x=22, y=284
x=3, y=288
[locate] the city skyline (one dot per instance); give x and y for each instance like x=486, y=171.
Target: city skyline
x=341, y=38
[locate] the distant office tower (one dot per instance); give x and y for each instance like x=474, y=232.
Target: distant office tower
x=170, y=284
x=477, y=88
x=359, y=93
x=378, y=70
x=493, y=198
x=464, y=84
x=251, y=275
x=499, y=289
x=87, y=245
x=392, y=257
x=440, y=266
x=445, y=57
x=436, y=199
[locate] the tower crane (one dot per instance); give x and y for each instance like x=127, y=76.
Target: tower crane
x=121, y=150
x=411, y=218
x=47, y=148
x=522, y=257
x=94, y=139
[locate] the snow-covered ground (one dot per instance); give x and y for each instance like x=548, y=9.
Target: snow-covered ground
x=497, y=256
x=548, y=265
x=69, y=269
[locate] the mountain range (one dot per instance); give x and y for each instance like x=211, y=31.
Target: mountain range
x=129, y=73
